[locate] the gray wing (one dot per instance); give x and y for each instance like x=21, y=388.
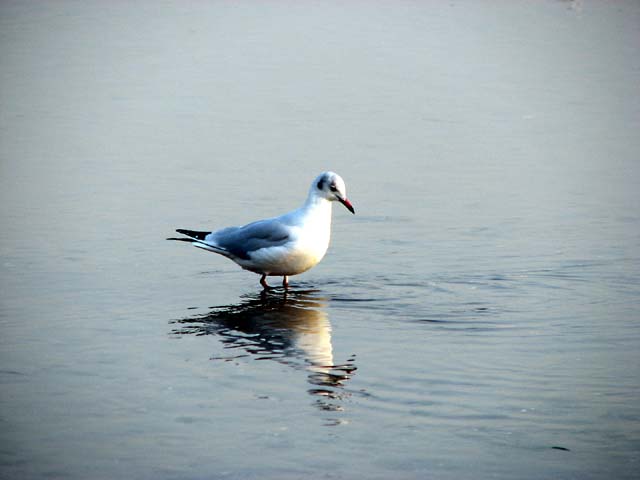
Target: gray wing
x=241, y=241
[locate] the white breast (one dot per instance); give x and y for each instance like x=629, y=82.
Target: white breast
x=310, y=243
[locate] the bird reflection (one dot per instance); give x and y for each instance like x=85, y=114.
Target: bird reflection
x=291, y=328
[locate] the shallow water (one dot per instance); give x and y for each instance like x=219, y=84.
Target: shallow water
x=477, y=317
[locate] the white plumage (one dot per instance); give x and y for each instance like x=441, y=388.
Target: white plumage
x=281, y=246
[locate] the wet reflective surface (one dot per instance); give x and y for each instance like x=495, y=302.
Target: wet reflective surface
x=290, y=327
x=477, y=317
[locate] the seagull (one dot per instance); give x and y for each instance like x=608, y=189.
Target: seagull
x=280, y=246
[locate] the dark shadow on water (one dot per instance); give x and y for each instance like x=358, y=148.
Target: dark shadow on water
x=290, y=327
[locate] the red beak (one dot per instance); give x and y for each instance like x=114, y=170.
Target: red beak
x=347, y=204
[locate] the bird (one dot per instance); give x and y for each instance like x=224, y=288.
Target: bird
x=286, y=245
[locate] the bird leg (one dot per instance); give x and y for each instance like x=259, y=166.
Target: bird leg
x=263, y=282
x=266, y=286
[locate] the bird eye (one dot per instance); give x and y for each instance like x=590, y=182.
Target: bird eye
x=333, y=187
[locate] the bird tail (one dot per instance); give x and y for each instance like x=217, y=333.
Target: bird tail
x=198, y=239
x=193, y=234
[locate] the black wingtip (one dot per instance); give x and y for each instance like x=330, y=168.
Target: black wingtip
x=193, y=233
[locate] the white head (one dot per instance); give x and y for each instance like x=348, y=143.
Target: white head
x=330, y=186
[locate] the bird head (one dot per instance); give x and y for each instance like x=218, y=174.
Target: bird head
x=329, y=185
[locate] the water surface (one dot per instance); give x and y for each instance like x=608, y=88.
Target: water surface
x=477, y=318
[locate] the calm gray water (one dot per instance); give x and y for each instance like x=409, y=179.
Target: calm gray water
x=477, y=318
